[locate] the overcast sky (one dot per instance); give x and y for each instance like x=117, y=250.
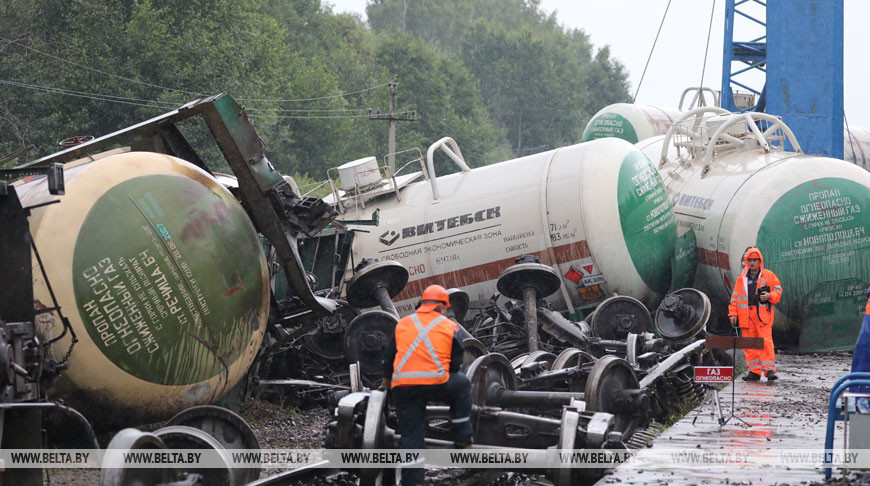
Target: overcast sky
x=629, y=28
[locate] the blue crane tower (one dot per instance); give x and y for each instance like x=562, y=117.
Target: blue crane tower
x=801, y=57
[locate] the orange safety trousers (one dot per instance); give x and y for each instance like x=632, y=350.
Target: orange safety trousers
x=759, y=361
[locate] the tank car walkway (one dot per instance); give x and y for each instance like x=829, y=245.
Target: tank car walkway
x=787, y=414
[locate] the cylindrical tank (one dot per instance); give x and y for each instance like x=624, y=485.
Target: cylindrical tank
x=635, y=123
x=808, y=215
x=163, y=279
x=631, y=122
x=596, y=211
x=856, y=146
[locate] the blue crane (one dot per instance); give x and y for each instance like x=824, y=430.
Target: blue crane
x=801, y=57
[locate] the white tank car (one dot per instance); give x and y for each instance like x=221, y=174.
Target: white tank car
x=809, y=215
x=856, y=146
x=635, y=123
x=597, y=212
x=631, y=122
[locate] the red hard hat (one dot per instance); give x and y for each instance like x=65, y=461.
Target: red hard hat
x=435, y=294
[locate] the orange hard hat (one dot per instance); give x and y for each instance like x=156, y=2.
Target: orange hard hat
x=435, y=294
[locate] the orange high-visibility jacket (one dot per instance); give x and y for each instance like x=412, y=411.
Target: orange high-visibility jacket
x=740, y=300
x=423, y=345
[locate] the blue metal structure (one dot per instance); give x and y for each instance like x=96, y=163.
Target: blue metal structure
x=752, y=54
x=801, y=55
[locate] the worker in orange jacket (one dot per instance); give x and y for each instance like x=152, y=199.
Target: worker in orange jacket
x=755, y=292
x=423, y=363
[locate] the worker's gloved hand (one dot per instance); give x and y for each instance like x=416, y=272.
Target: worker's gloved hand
x=733, y=320
x=385, y=384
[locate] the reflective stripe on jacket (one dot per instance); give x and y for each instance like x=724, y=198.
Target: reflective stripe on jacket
x=740, y=300
x=423, y=344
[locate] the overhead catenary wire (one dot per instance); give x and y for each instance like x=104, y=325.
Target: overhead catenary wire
x=851, y=144
x=258, y=115
x=100, y=71
x=300, y=110
x=707, y=49
x=93, y=96
x=651, y=52
x=194, y=93
x=339, y=95
x=167, y=104
x=162, y=105
x=85, y=93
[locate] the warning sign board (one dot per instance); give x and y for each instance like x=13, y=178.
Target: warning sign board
x=714, y=374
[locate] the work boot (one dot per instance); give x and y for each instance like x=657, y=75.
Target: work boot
x=771, y=376
x=752, y=377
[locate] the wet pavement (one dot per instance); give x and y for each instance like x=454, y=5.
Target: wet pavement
x=790, y=413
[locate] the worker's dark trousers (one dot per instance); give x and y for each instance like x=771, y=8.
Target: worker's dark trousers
x=861, y=355
x=411, y=403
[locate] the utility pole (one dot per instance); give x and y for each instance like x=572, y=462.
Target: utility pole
x=408, y=115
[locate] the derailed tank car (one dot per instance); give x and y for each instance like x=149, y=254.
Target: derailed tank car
x=732, y=188
x=630, y=122
x=596, y=212
x=162, y=271
x=164, y=281
x=636, y=122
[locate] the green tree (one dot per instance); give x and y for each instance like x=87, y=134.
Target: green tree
x=91, y=67
x=447, y=22
x=540, y=82
x=533, y=87
x=336, y=129
x=190, y=48
x=446, y=97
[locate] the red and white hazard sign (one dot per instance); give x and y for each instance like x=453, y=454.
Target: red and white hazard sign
x=714, y=374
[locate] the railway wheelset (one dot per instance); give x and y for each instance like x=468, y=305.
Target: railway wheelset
x=510, y=412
